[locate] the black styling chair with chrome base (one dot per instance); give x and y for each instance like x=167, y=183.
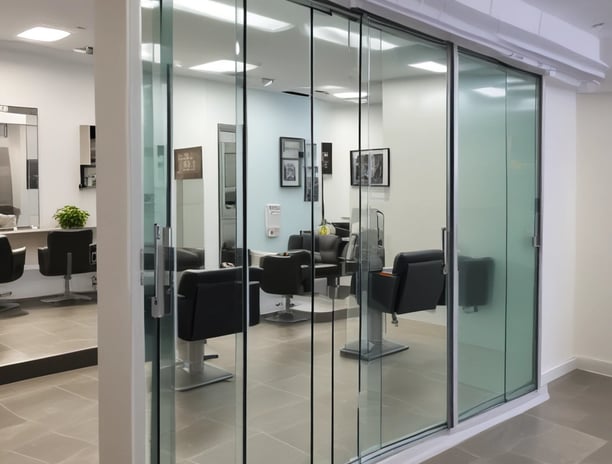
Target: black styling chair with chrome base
x=286, y=274
x=12, y=262
x=67, y=252
x=210, y=305
x=416, y=283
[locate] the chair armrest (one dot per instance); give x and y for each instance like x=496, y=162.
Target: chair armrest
x=383, y=291
x=19, y=255
x=43, y=260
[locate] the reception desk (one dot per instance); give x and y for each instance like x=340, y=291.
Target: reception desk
x=33, y=283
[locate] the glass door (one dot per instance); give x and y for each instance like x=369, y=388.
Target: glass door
x=401, y=177
x=157, y=258
x=497, y=197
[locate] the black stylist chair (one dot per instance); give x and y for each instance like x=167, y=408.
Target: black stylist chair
x=287, y=274
x=416, y=283
x=210, y=305
x=12, y=262
x=67, y=252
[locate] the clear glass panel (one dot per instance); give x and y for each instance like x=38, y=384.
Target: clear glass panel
x=403, y=172
x=336, y=123
x=522, y=146
x=279, y=349
x=207, y=203
x=481, y=226
x=159, y=333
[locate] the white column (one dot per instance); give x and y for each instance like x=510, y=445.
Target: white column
x=119, y=210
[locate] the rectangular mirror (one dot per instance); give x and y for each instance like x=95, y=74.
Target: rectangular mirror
x=18, y=167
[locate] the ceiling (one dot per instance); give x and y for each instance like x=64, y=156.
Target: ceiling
x=282, y=56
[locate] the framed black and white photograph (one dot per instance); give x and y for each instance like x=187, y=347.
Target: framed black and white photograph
x=290, y=173
x=370, y=167
x=326, y=158
x=311, y=189
x=291, y=148
x=291, y=159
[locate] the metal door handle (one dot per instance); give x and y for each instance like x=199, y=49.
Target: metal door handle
x=444, y=257
x=160, y=301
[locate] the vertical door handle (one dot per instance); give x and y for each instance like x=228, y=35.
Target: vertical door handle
x=444, y=248
x=160, y=301
x=537, y=240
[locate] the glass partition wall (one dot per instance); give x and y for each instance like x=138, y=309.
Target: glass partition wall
x=306, y=179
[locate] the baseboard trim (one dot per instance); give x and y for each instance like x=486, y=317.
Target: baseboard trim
x=49, y=365
x=559, y=371
x=597, y=366
x=438, y=443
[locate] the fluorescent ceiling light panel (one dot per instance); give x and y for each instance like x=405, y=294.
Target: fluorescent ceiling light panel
x=342, y=37
x=230, y=14
x=44, y=34
x=347, y=95
x=494, y=92
x=430, y=66
x=222, y=66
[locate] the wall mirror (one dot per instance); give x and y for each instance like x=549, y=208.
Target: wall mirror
x=18, y=167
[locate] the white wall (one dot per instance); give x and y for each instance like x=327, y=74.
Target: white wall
x=594, y=231
x=63, y=92
x=558, y=254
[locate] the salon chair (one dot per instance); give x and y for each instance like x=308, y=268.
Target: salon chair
x=67, y=253
x=416, y=283
x=286, y=274
x=12, y=263
x=326, y=247
x=209, y=305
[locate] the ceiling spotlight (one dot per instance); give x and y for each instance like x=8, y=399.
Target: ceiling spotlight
x=266, y=81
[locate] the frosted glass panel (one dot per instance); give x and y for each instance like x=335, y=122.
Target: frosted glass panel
x=522, y=143
x=481, y=192
x=497, y=201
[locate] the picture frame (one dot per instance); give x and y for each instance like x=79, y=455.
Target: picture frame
x=291, y=159
x=311, y=189
x=370, y=167
x=290, y=173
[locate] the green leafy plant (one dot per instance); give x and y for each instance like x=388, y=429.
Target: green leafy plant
x=70, y=217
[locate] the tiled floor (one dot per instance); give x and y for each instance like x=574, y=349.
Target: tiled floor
x=47, y=330
x=573, y=427
x=53, y=420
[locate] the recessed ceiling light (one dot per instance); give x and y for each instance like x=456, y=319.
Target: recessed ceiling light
x=342, y=37
x=44, y=34
x=430, y=66
x=494, y=92
x=222, y=66
x=229, y=14
x=347, y=95
x=267, y=81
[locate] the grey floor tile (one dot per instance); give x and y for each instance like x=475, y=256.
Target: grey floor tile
x=602, y=456
x=503, y=437
x=453, y=456
x=10, y=457
x=560, y=445
x=508, y=458
x=54, y=448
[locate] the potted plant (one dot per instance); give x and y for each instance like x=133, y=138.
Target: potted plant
x=71, y=217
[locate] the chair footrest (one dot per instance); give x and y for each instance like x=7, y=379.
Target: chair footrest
x=371, y=350
x=66, y=297
x=288, y=317
x=186, y=380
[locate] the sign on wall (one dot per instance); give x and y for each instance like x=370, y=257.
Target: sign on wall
x=188, y=163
